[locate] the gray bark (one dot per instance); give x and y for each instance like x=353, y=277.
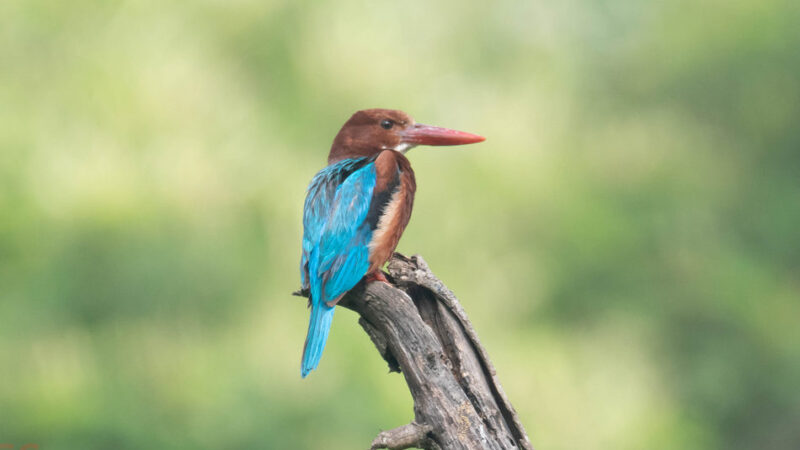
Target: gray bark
x=421, y=330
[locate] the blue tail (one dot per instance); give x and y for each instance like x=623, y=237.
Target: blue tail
x=318, y=327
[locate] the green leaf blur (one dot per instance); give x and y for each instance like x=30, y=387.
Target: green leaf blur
x=627, y=240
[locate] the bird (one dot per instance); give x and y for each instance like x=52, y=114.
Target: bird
x=356, y=209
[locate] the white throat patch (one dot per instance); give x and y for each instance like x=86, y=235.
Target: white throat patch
x=403, y=147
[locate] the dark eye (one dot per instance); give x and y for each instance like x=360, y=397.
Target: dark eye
x=387, y=124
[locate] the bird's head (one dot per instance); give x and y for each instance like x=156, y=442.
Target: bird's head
x=371, y=131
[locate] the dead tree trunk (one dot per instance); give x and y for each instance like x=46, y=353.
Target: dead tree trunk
x=421, y=330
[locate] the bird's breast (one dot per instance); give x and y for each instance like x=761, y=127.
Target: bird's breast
x=394, y=213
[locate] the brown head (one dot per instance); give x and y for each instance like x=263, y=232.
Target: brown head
x=370, y=131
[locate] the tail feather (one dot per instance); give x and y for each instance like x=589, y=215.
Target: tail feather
x=318, y=328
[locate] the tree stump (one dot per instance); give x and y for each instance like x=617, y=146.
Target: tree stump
x=421, y=330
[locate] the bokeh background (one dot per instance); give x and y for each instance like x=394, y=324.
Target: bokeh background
x=626, y=241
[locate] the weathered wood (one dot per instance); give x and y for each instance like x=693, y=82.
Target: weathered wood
x=420, y=329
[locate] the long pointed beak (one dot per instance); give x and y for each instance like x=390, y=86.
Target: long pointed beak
x=421, y=134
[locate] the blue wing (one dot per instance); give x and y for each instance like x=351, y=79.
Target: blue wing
x=335, y=231
x=335, y=243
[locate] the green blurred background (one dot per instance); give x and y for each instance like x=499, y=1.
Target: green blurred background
x=626, y=241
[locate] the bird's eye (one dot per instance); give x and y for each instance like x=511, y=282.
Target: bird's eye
x=386, y=124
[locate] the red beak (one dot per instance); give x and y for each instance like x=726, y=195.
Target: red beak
x=421, y=134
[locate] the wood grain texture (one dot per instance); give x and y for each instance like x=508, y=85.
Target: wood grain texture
x=421, y=330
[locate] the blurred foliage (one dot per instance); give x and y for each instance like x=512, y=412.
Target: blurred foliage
x=626, y=241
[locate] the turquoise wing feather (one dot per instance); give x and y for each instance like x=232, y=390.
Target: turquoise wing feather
x=335, y=244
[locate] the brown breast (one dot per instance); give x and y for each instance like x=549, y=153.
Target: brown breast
x=391, y=165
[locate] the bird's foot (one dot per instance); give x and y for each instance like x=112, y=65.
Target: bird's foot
x=378, y=275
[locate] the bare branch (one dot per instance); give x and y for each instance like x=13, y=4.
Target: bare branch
x=407, y=436
x=420, y=329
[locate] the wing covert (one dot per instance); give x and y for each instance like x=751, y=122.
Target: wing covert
x=336, y=238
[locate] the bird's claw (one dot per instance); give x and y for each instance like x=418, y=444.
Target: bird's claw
x=378, y=275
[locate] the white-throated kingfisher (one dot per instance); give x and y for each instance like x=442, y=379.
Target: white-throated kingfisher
x=356, y=209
